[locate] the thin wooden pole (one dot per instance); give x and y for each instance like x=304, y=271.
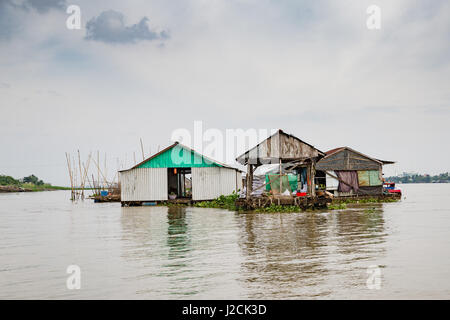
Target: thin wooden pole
x=281, y=180
x=75, y=177
x=70, y=176
x=142, y=148
x=106, y=173
x=81, y=175
x=98, y=170
x=101, y=173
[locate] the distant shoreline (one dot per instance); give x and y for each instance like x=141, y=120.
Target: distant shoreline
x=13, y=188
x=421, y=182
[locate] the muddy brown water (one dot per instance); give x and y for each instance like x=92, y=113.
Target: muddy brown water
x=374, y=251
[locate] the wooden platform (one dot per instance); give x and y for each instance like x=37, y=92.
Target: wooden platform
x=108, y=198
x=182, y=201
x=302, y=202
x=381, y=197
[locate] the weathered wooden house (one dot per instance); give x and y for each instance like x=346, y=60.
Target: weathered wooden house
x=282, y=148
x=164, y=175
x=345, y=171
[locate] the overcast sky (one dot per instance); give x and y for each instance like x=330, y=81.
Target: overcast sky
x=141, y=69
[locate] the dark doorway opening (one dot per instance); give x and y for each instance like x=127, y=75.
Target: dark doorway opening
x=180, y=183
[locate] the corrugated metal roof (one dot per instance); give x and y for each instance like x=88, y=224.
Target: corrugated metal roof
x=166, y=161
x=278, y=132
x=333, y=151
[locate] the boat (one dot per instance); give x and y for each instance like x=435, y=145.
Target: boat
x=389, y=187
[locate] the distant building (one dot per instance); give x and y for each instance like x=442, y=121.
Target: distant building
x=178, y=171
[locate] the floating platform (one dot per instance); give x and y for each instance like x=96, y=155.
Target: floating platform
x=380, y=198
x=108, y=198
x=182, y=201
x=302, y=202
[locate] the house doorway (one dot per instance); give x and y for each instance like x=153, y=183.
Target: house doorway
x=179, y=183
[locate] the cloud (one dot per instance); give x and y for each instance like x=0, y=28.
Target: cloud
x=7, y=22
x=11, y=13
x=110, y=27
x=43, y=6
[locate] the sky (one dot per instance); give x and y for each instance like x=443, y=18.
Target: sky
x=141, y=69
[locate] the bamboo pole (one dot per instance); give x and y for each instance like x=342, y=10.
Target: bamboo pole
x=106, y=173
x=70, y=176
x=98, y=171
x=87, y=176
x=142, y=148
x=101, y=173
x=75, y=178
x=81, y=175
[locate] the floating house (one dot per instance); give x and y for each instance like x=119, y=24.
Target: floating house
x=291, y=154
x=347, y=172
x=178, y=172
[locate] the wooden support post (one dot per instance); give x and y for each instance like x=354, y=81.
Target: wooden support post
x=313, y=175
x=281, y=180
x=249, y=180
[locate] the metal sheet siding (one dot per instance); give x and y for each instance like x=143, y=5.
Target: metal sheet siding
x=363, y=178
x=332, y=183
x=210, y=183
x=374, y=177
x=144, y=184
x=369, y=178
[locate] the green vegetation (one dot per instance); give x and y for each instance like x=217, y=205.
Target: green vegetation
x=273, y=208
x=337, y=206
x=229, y=203
x=370, y=210
x=30, y=183
x=8, y=181
x=42, y=187
x=222, y=202
x=420, y=178
x=366, y=200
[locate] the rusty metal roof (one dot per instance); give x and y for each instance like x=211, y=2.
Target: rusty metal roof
x=333, y=151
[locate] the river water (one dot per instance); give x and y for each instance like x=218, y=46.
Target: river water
x=374, y=251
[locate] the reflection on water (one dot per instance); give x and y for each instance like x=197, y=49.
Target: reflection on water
x=177, y=237
x=294, y=255
x=196, y=253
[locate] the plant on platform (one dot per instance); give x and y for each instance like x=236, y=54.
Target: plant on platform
x=222, y=202
x=279, y=208
x=337, y=206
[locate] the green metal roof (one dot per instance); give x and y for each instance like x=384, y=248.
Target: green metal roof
x=177, y=156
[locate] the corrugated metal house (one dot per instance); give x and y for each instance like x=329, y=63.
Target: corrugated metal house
x=283, y=149
x=164, y=175
x=350, y=172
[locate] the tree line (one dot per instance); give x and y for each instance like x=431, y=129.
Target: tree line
x=10, y=181
x=420, y=178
